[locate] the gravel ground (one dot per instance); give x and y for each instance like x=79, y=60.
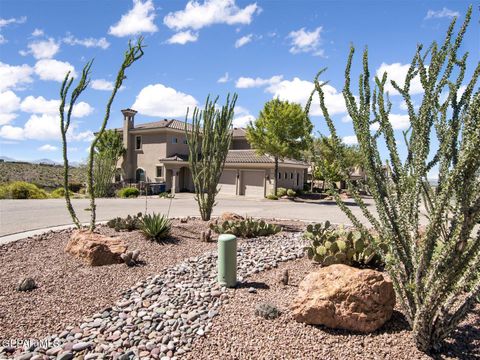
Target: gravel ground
x=237, y=333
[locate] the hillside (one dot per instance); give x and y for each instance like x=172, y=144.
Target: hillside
x=43, y=175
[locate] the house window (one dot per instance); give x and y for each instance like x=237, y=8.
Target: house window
x=291, y=176
x=298, y=178
x=159, y=171
x=174, y=140
x=185, y=141
x=279, y=175
x=138, y=142
x=286, y=175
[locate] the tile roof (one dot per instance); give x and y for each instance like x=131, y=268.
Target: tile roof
x=175, y=157
x=251, y=157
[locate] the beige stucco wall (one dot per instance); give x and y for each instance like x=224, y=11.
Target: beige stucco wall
x=240, y=144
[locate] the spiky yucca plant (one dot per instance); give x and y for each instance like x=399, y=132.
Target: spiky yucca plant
x=434, y=268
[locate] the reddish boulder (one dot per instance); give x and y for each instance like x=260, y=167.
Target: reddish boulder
x=95, y=249
x=228, y=216
x=342, y=297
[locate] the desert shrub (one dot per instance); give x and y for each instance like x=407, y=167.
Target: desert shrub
x=271, y=197
x=59, y=193
x=247, y=228
x=128, y=192
x=129, y=223
x=166, y=195
x=341, y=246
x=22, y=190
x=156, y=226
x=291, y=193
x=75, y=187
x=281, y=192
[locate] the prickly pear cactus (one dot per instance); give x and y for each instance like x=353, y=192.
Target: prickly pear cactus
x=339, y=246
x=247, y=228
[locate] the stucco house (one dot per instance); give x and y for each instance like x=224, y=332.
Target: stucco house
x=157, y=152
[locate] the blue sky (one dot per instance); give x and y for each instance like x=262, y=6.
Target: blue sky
x=258, y=49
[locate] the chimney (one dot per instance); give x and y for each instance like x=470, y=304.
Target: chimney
x=128, y=124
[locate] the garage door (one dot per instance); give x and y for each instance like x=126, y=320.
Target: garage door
x=253, y=183
x=227, y=183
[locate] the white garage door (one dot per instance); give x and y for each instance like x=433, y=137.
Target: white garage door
x=253, y=183
x=227, y=183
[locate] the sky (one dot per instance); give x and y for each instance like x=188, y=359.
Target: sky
x=260, y=50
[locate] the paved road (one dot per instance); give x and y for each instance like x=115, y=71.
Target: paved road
x=23, y=215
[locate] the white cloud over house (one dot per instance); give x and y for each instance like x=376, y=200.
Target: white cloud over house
x=183, y=37
x=6, y=22
x=443, y=13
x=398, y=72
x=243, y=40
x=37, y=32
x=163, y=101
x=55, y=70
x=304, y=41
x=103, y=85
x=350, y=140
x=47, y=148
x=42, y=49
x=398, y=121
x=90, y=42
x=140, y=19
x=14, y=76
x=196, y=16
x=223, y=79
x=248, y=82
x=242, y=117
x=40, y=105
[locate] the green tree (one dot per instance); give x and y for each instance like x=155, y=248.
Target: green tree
x=108, y=151
x=434, y=268
x=132, y=54
x=325, y=164
x=209, y=138
x=282, y=130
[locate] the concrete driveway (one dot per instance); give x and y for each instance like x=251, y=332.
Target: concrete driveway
x=17, y=216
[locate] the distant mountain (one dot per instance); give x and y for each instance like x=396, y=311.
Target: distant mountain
x=44, y=161
x=6, y=158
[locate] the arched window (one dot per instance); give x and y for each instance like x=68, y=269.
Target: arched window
x=140, y=175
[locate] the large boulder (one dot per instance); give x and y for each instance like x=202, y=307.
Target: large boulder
x=229, y=216
x=95, y=249
x=342, y=297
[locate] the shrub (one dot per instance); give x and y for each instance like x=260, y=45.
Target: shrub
x=156, y=226
x=128, y=192
x=339, y=246
x=291, y=193
x=59, y=193
x=75, y=187
x=22, y=190
x=247, y=228
x=271, y=197
x=166, y=195
x=129, y=223
x=281, y=192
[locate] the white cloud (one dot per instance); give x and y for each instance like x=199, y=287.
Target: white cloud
x=9, y=103
x=247, y=82
x=346, y=119
x=40, y=105
x=196, y=15
x=3, y=40
x=183, y=37
x=242, y=117
x=398, y=121
x=444, y=13
x=303, y=41
x=6, y=22
x=223, y=79
x=104, y=85
x=243, y=40
x=87, y=42
x=44, y=49
x=42, y=127
x=398, y=72
x=298, y=91
x=13, y=77
x=37, y=32
x=50, y=69
x=47, y=148
x=350, y=140
x=163, y=101
x=138, y=20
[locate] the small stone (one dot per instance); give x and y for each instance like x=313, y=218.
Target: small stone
x=65, y=356
x=81, y=346
x=267, y=311
x=54, y=351
x=25, y=356
x=26, y=284
x=252, y=290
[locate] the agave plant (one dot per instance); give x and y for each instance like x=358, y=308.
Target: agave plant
x=156, y=226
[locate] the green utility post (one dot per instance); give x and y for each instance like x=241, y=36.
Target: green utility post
x=227, y=260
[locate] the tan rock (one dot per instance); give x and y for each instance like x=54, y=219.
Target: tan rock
x=95, y=249
x=342, y=297
x=228, y=216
